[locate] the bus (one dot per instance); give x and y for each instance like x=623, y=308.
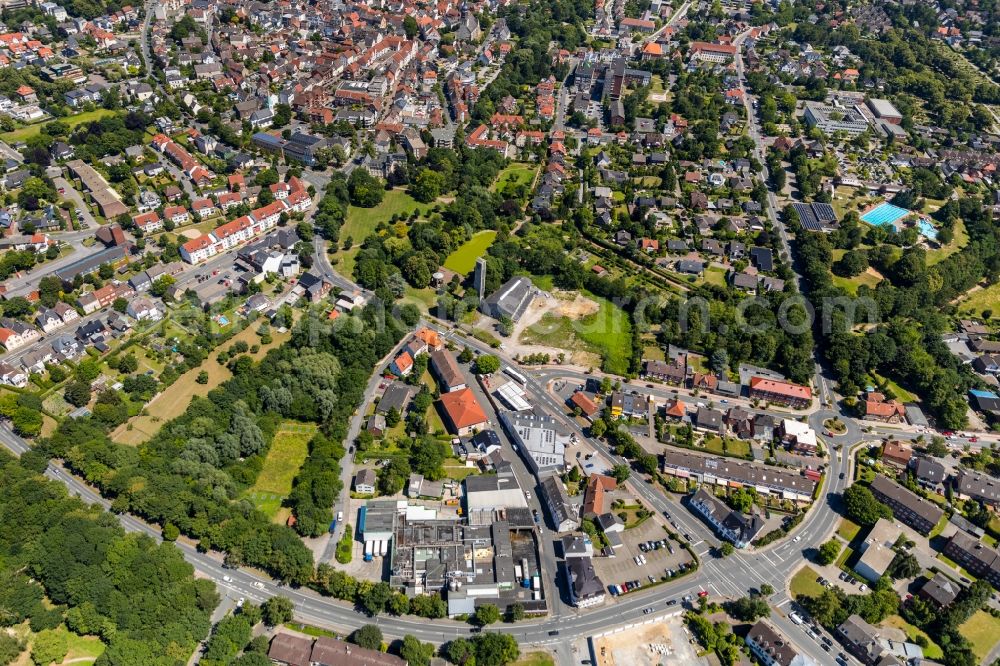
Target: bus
x=515, y=375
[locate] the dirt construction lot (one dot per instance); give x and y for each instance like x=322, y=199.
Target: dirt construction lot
x=559, y=304
x=659, y=642
x=622, y=567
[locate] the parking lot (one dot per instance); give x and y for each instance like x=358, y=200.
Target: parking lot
x=621, y=568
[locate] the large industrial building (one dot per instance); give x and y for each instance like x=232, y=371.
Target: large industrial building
x=539, y=438
x=470, y=565
x=511, y=300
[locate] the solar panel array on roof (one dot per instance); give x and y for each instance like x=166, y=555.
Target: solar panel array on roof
x=807, y=218
x=816, y=216
x=824, y=212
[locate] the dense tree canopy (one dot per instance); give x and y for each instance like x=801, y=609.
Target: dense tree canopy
x=141, y=598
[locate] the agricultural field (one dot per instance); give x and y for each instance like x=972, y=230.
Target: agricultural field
x=288, y=451
x=463, y=259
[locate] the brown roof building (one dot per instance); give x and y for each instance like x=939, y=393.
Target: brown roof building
x=290, y=650
x=877, y=408
x=897, y=453
x=462, y=413
x=675, y=409
x=331, y=652
x=597, y=485
x=587, y=406
x=446, y=370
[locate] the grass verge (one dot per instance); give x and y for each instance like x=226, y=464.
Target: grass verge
x=804, y=583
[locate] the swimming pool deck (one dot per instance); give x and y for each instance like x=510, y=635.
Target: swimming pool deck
x=887, y=214
x=884, y=214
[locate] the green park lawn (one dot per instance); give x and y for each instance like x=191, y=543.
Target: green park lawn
x=901, y=393
x=982, y=299
x=535, y=659
x=361, y=222
x=287, y=453
x=715, y=276
x=870, y=278
x=25, y=133
x=983, y=631
x=960, y=240
x=463, y=259
x=82, y=650
x=513, y=175
x=607, y=333
x=725, y=447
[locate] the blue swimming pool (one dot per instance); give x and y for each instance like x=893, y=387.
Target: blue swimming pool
x=223, y=320
x=884, y=215
x=927, y=229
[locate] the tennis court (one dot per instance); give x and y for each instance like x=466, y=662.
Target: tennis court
x=885, y=214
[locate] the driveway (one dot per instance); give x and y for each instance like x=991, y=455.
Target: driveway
x=69, y=192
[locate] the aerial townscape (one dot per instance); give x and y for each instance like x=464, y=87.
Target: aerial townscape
x=489, y=332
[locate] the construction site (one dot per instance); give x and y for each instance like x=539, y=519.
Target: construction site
x=663, y=641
